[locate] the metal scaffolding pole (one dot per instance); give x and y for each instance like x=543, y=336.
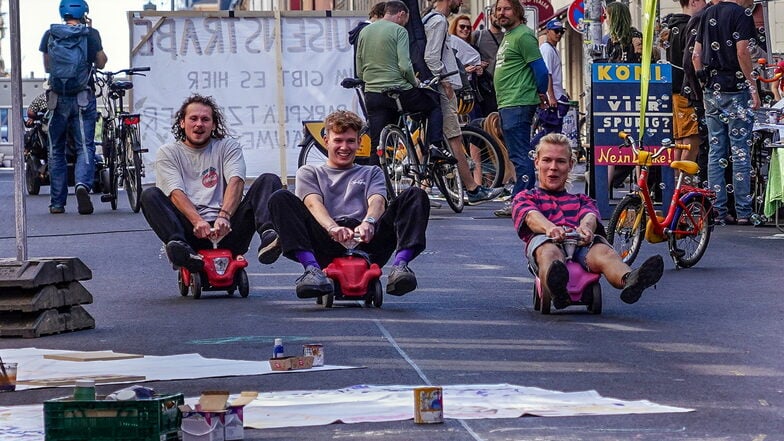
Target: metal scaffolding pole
x=17, y=132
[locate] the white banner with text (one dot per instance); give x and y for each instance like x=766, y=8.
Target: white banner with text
x=238, y=61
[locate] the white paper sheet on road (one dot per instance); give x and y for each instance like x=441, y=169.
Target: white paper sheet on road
x=394, y=403
x=363, y=403
x=33, y=366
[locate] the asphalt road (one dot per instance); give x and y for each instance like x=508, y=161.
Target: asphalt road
x=707, y=338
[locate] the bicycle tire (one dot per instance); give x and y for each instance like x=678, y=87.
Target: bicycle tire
x=108, y=142
x=692, y=218
x=133, y=169
x=33, y=183
x=485, y=158
x=626, y=230
x=450, y=185
x=398, y=161
x=311, y=152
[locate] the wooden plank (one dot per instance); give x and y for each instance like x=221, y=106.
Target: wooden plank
x=91, y=356
x=99, y=379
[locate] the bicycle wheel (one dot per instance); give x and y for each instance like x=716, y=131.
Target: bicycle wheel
x=484, y=155
x=627, y=228
x=449, y=184
x=32, y=181
x=692, y=233
x=133, y=169
x=110, y=155
x=311, y=153
x=398, y=161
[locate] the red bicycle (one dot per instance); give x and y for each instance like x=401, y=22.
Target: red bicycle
x=689, y=221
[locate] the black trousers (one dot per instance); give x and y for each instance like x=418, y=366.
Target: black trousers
x=251, y=216
x=402, y=226
x=382, y=110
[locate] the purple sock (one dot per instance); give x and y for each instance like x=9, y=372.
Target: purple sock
x=306, y=258
x=404, y=255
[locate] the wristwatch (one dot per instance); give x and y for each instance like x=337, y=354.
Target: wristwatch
x=371, y=220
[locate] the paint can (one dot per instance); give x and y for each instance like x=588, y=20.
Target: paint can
x=315, y=350
x=428, y=405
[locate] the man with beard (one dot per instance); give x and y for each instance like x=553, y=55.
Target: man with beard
x=200, y=178
x=521, y=80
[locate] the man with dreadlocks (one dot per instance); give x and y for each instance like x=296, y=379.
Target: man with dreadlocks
x=200, y=178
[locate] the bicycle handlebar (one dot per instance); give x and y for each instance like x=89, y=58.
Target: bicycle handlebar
x=629, y=141
x=129, y=71
x=436, y=79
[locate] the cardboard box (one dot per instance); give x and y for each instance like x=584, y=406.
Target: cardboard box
x=205, y=423
x=214, y=419
x=289, y=363
x=233, y=420
x=201, y=425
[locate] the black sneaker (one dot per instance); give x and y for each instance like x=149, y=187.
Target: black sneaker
x=182, y=255
x=313, y=283
x=269, y=250
x=401, y=280
x=643, y=277
x=56, y=209
x=436, y=156
x=557, y=278
x=83, y=202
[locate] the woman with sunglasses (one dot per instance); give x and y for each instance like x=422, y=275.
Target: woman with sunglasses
x=468, y=55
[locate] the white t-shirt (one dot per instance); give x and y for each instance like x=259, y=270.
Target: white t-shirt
x=553, y=61
x=465, y=52
x=202, y=174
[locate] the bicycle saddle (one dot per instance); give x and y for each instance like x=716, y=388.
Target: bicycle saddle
x=122, y=85
x=350, y=83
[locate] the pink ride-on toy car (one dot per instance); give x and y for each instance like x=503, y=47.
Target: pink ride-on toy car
x=583, y=286
x=222, y=271
x=353, y=278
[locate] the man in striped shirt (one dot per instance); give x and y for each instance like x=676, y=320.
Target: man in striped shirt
x=543, y=215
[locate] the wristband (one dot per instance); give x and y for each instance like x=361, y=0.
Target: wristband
x=223, y=216
x=224, y=211
x=329, y=230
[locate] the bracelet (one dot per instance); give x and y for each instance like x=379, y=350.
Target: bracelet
x=329, y=230
x=224, y=211
x=223, y=216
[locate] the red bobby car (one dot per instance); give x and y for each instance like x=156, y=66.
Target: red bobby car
x=354, y=278
x=222, y=271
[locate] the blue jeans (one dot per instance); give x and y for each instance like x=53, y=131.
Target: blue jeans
x=730, y=125
x=67, y=118
x=516, y=126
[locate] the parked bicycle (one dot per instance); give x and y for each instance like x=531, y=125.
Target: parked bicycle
x=484, y=155
x=120, y=139
x=689, y=221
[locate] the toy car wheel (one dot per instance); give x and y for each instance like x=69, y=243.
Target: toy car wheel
x=196, y=285
x=545, y=301
x=378, y=293
x=241, y=280
x=595, y=307
x=327, y=300
x=181, y=284
x=537, y=301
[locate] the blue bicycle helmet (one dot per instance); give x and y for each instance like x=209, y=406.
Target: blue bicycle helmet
x=73, y=9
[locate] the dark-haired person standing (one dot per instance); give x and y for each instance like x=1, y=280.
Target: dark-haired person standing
x=200, y=178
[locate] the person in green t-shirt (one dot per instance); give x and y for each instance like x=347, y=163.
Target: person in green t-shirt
x=521, y=80
x=383, y=62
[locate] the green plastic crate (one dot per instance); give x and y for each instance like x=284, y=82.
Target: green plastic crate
x=157, y=419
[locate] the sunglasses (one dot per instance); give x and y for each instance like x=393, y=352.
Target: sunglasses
x=463, y=26
x=559, y=31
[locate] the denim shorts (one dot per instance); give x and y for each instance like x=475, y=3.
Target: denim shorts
x=579, y=256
